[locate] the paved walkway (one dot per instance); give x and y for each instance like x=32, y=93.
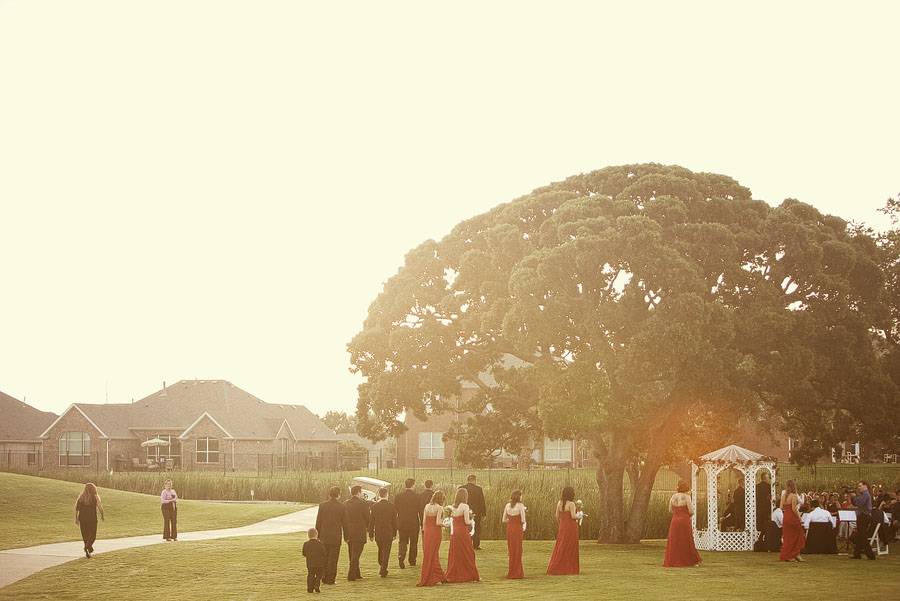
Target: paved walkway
x=16, y=564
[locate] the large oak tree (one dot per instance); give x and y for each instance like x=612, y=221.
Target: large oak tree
x=643, y=308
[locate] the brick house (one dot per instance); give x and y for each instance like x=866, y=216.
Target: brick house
x=208, y=424
x=20, y=432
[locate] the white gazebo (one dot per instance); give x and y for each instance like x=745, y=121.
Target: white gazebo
x=747, y=463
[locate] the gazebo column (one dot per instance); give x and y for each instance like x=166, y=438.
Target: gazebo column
x=750, y=505
x=712, y=505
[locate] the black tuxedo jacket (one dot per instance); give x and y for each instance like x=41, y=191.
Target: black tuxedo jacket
x=357, y=519
x=331, y=522
x=476, y=499
x=407, y=503
x=384, y=521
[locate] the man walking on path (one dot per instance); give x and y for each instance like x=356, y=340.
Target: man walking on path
x=358, y=522
x=478, y=507
x=331, y=523
x=408, y=522
x=383, y=528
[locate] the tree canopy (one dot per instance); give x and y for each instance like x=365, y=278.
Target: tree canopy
x=340, y=422
x=644, y=308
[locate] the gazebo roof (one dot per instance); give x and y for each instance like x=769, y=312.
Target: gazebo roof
x=732, y=453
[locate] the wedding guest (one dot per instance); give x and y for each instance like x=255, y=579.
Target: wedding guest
x=316, y=559
x=331, y=523
x=680, y=549
x=357, y=528
x=432, y=533
x=383, y=529
x=514, y=518
x=409, y=520
x=461, y=558
x=816, y=515
x=565, y=553
x=86, y=507
x=169, y=499
x=478, y=507
x=792, y=537
x=863, y=521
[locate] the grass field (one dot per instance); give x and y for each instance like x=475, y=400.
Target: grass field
x=541, y=488
x=39, y=510
x=271, y=568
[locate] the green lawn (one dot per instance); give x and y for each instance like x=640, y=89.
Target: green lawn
x=40, y=510
x=270, y=567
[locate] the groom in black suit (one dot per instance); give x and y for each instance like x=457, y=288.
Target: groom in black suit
x=408, y=522
x=383, y=528
x=331, y=522
x=477, y=505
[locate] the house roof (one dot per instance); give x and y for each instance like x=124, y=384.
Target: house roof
x=20, y=421
x=181, y=405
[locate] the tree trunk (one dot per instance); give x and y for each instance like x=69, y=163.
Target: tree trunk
x=640, y=502
x=610, y=472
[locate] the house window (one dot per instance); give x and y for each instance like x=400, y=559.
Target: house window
x=557, y=451
x=32, y=453
x=431, y=445
x=74, y=449
x=281, y=452
x=207, y=450
x=4, y=454
x=170, y=451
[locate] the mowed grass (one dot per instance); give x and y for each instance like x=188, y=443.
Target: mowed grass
x=271, y=568
x=38, y=511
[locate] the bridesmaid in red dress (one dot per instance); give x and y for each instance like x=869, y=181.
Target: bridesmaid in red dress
x=680, y=549
x=565, y=554
x=514, y=518
x=792, y=537
x=461, y=560
x=432, y=533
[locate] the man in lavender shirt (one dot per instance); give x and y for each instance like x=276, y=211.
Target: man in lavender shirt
x=863, y=521
x=169, y=500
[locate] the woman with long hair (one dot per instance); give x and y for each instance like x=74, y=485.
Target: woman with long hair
x=565, y=554
x=461, y=559
x=514, y=518
x=432, y=532
x=680, y=549
x=86, y=508
x=792, y=537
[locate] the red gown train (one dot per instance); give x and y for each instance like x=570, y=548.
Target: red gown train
x=432, y=572
x=680, y=549
x=514, y=546
x=792, y=537
x=565, y=554
x=461, y=560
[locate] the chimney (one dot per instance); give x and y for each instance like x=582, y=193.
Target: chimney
x=164, y=393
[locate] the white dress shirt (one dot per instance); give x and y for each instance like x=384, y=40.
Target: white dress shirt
x=818, y=515
x=778, y=517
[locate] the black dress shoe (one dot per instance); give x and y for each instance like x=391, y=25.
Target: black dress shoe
x=403, y=566
x=412, y=564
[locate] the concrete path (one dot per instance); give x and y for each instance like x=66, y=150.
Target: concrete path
x=16, y=564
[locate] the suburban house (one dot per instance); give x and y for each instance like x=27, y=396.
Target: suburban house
x=21, y=426
x=193, y=425
x=423, y=444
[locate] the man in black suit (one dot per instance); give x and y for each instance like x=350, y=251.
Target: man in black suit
x=425, y=499
x=763, y=502
x=477, y=505
x=408, y=522
x=740, y=509
x=331, y=523
x=383, y=528
x=358, y=526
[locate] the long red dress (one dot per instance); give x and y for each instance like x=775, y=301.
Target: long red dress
x=514, y=546
x=680, y=549
x=461, y=560
x=792, y=537
x=432, y=572
x=565, y=554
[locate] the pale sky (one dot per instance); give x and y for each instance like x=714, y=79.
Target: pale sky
x=219, y=189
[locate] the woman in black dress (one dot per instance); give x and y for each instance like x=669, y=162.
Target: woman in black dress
x=86, y=516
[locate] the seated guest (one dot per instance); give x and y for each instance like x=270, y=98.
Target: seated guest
x=773, y=534
x=821, y=535
x=817, y=514
x=847, y=503
x=833, y=504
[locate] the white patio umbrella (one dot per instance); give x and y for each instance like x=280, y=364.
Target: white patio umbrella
x=155, y=442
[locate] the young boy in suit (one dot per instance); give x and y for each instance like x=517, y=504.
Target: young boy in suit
x=316, y=558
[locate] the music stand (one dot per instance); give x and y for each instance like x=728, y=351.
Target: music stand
x=847, y=522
